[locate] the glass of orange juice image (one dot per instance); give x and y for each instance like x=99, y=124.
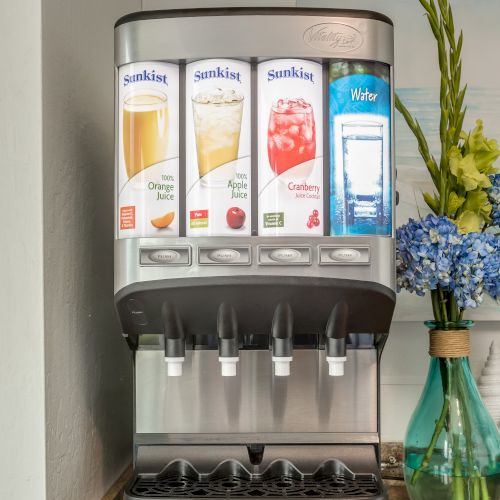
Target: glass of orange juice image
x=217, y=123
x=145, y=130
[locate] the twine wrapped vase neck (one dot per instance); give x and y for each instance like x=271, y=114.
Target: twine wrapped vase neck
x=449, y=343
x=449, y=339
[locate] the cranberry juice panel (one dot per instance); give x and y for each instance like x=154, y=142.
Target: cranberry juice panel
x=290, y=148
x=218, y=148
x=291, y=137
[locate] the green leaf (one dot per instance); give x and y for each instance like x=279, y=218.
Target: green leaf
x=432, y=201
x=454, y=203
x=469, y=222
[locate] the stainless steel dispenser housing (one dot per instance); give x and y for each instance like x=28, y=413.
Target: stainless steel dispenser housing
x=256, y=300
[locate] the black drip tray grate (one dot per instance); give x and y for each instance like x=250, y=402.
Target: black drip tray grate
x=281, y=479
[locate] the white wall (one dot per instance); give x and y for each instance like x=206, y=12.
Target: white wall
x=22, y=457
x=22, y=460
x=88, y=365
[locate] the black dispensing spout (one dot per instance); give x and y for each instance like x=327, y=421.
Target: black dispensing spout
x=282, y=332
x=227, y=329
x=336, y=333
x=174, y=340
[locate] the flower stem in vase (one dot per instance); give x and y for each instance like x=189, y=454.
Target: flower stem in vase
x=440, y=424
x=435, y=305
x=457, y=480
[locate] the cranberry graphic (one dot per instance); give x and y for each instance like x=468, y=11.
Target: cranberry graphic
x=315, y=213
x=310, y=224
x=315, y=221
x=235, y=217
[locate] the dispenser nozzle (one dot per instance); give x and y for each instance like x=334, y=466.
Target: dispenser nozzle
x=227, y=329
x=174, y=340
x=282, y=332
x=336, y=333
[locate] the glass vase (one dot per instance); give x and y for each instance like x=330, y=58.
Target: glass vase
x=452, y=445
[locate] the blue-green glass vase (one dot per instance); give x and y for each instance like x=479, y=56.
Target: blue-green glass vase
x=452, y=445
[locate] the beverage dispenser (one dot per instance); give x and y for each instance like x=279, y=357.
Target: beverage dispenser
x=254, y=252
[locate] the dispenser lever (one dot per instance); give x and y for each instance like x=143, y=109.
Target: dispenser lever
x=174, y=340
x=227, y=329
x=336, y=333
x=282, y=333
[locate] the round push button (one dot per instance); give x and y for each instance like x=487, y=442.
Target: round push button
x=164, y=256
x=285, y=255
x=224, y=255
x=345, y=254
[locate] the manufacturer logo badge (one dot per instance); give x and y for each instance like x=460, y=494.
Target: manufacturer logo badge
x=333, y=37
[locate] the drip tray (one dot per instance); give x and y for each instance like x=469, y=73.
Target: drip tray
x=281, y=478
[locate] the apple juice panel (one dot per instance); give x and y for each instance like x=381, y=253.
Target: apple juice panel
x=290, y=148
x=360, y=145
x=218, y=148
x=148, y=150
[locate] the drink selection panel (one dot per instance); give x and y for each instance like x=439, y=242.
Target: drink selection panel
x=282, y=147
x=218, y=159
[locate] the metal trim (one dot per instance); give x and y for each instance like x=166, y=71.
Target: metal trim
x=191, y=38
x=235, y=11
x=258, y=438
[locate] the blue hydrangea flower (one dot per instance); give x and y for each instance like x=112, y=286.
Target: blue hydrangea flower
x=425, y=253
x=494, y=196
x=431, y=253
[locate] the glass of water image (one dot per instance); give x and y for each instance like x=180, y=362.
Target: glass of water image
x=362, y=147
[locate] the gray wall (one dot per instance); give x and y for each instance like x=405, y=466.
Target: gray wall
x=88, y=366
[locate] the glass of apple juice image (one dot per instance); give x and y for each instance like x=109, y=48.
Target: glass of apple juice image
x=217, y=124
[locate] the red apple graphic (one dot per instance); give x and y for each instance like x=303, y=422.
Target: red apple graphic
x=235, y=217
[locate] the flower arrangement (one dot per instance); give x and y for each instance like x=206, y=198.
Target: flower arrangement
x=454, y=253
x=452, y=447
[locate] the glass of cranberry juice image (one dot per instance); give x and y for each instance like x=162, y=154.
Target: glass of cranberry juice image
x=291, y=136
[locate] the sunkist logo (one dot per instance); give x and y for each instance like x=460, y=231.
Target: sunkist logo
x=145, y=76
x=333, y=37
x=217, y=72
x=291, y=72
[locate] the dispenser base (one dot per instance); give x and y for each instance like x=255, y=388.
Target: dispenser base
x=280, y=479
